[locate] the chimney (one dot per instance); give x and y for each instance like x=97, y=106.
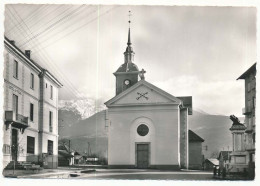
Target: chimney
x=28, y=53
x=12, y=42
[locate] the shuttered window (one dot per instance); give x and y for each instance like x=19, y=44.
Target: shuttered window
x=50, y=147
x=50, y=122
x=30, y=144
x=15, y=70
x=31, y=111
x=32, y=81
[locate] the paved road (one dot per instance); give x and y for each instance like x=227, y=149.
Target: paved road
x=132, y=174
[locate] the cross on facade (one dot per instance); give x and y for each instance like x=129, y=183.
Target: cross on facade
x=142, y=74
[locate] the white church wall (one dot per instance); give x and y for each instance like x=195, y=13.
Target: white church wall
x=162, y=122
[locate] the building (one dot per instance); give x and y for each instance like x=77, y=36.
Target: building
x=249, y=111
x=195, y=151
x=147, y=127
x=30, y=127
x=224, y=158
x=211, y=163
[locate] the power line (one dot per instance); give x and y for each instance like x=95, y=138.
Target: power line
x=40, y=53
x=52, y=25
x=43, y=17
x=25, y=31
x=79, y=27
x=50, y=37
x=29, y=16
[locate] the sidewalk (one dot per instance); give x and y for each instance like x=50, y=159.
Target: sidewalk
x=60, y=172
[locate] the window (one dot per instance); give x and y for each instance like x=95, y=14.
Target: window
x=51, y=92
x=31, y=112
x=50, y=121
x=15, y=70
x=15, y=103
x=30, y=144
x=46, y=85
x=32, y=81
x=50, y=147
x=142, y=130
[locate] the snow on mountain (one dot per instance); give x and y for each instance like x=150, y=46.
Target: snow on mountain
x=84, y=107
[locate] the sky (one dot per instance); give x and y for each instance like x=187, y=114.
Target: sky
x=186, y=50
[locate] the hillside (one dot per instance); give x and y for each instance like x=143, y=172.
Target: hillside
x=213, y=128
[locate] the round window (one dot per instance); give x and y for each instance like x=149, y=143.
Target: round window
x=142, y=130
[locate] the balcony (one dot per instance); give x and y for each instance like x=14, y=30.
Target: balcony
x=246, y=111
x=16, y=120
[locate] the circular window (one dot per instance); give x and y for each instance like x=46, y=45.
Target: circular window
x=142, y=130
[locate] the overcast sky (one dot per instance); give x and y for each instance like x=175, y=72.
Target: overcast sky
x=186, y=51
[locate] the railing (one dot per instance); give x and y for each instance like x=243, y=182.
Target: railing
x=16, y=120
x=12, y=116
x=22, y=119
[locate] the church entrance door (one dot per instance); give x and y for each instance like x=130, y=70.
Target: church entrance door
x=142, y=155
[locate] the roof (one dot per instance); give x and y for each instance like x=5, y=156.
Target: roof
x=64, y=153
x=194, y=137
x=224, y=154
x=147, y=84
x=187, y=103
x=214, y=161
x=128, y=67
x=30, y=62
x=249, y=71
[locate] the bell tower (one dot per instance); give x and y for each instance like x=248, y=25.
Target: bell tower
x=127, y=73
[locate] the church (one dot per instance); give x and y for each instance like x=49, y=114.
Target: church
x=147, y=127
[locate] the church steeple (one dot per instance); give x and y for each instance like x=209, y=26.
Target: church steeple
x=129, y=53
x=127, y=74
x=129, y=38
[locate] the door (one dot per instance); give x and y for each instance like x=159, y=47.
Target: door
x=142, y=151
x=14, y=144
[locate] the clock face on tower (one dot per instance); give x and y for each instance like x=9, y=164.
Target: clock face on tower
x=127, y=82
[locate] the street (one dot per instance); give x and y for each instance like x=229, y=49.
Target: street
x=137, y=174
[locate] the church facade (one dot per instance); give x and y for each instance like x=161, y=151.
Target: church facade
x=147, y=127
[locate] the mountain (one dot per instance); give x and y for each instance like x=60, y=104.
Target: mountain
x=84, y=107
x=214, y=129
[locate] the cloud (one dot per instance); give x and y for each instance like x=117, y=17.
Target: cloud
x=215, y=97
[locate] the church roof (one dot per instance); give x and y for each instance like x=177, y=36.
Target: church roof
x=128, y=67
x=175, y=100
x=249, y=71
x=193, y=137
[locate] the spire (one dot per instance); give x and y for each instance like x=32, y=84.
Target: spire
x=129, y=38
x=129, y=53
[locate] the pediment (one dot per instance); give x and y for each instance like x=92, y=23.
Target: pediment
x=142, y=93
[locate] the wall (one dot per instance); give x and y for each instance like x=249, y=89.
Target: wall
x=163, y=134
x=184, y=156
x=195, y=155
x=21, y=87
